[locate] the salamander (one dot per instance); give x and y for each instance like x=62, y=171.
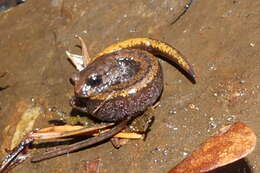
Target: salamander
x=118, y=84
x=124, y=79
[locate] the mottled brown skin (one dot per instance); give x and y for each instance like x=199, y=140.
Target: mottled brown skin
x=125, y=105
x=111, y=89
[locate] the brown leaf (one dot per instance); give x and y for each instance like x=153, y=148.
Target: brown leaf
x=231, y=144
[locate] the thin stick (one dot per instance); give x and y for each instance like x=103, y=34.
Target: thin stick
x=16, y=156
x=80, y=145
x=185, y=9
x=65, y=131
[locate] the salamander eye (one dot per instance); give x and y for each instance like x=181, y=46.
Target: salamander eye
x=94, y=80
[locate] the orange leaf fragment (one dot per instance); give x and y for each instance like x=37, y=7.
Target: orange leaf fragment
x=232, y=143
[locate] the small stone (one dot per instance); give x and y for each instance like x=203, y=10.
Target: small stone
x=212, y=125
x=252, y=44
x=184, y=153
x=132, y=30
x=165, y=152
x=231, y=118
x=52, y=109
x=212, y=67
x=193, y=107
x=171, y=127
x=242, y=81
x=173, y=111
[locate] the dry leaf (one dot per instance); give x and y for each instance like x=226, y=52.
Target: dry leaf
x=231, y=144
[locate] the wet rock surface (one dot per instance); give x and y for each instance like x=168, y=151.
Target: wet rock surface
x=220, y=39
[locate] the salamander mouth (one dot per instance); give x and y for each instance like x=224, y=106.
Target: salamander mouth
x=86, y=106
x=78, y=103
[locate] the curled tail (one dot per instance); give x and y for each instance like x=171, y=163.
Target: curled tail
x=155, y=47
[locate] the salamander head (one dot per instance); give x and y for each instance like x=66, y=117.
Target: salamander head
x=102, y=75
